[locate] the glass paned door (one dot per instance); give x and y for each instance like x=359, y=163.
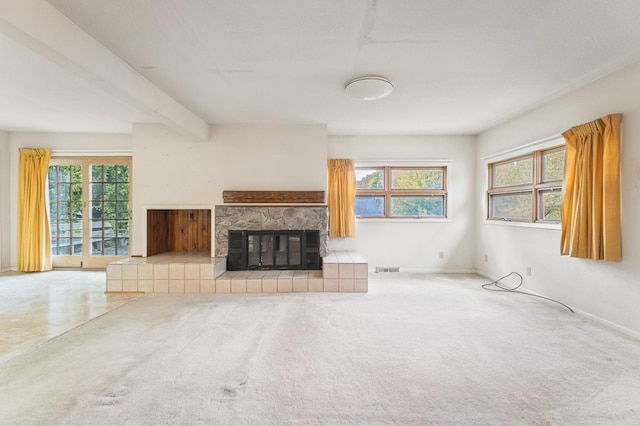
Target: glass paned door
x=109, y=209
x=65, y=205
x=89, y=201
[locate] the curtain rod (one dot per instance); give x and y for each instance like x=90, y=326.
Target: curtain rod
x=525, y=146
x=409, y=162
x=91, y=153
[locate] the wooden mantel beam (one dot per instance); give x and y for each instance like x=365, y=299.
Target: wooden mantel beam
x=269, y=197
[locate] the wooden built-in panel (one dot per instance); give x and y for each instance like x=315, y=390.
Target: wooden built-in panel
x=157, y=232
x=178, y=230
x=268, y=197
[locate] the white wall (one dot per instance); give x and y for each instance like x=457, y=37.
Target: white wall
x=5, y=211
x=89, y=143
x=171, y=170
x=607, y=290
x=415, y=244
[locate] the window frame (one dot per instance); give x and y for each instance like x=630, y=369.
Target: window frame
x=88, y=260
x=387, y=192
x=537, y=188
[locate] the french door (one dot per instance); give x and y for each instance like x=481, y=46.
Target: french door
x=90, y=216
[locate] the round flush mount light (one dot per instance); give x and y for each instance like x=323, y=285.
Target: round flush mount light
x=369, y=88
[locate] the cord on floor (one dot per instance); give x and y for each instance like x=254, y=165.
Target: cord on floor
x=500, y=288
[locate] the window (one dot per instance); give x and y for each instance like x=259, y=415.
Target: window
x=65, y=206
x=396, y=192
x=527, y=188
x=89, y=201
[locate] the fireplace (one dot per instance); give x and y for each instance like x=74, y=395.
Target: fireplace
x=280, y=249
x=278, y=219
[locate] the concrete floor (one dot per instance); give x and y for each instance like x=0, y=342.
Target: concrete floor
x=37, y=307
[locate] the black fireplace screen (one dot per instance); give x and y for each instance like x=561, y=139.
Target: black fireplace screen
x=250, y=250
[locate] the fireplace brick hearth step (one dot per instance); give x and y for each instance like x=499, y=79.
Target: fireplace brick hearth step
x=343, y=271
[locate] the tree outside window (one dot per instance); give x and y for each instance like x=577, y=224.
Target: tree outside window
x=527, y=188
x=397, y=192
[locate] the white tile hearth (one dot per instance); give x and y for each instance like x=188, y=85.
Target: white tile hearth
x=343, y=271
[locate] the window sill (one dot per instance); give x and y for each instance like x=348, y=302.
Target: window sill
x=536, y=225
x=401, y=220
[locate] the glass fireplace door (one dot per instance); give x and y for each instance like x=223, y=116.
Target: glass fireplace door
x=294, y=251
x=280, y=249
x=274, y=251
x=260, y=251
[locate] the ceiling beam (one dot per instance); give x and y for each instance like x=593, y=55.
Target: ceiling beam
x=38, y=26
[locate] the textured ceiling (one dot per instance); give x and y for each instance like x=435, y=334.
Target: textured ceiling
x=458, y=66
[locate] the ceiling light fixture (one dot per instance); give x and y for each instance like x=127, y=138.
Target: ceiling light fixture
x=369, y=88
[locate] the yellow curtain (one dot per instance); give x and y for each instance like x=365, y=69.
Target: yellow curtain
x=34, y=240
x=342, y=198
x=591, y=208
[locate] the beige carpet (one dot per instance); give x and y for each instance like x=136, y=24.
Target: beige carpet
x=417, y=349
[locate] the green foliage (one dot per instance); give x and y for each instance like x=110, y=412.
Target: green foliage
x=109, y=192
x=552, y=201
x=401, y=179
x=520, y=172
x=517, y=172
x=553, y=166
x=417, y=206
x=416, y=179
x=512, y=206
x=370, y=179
x=65, y=191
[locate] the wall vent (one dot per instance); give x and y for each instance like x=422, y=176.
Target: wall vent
x=387, y=269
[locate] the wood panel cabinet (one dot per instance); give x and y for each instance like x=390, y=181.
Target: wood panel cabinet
x=178, y=230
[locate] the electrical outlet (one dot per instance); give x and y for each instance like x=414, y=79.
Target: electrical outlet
x=528, y=271
x=441, y=255
x=486, y=257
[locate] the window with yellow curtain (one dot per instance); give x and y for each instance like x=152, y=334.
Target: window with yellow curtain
x=341, y=198
x=34, y=242
x=591, y=207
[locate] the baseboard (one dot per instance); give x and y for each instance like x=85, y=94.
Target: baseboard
x=427, y=271
x=7, y=269
x=490, y=277
x=612, y=325
x=624, y=330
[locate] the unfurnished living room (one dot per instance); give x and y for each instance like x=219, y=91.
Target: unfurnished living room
x=361, y=212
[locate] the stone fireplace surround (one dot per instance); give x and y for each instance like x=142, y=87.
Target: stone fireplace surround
x=259, y=218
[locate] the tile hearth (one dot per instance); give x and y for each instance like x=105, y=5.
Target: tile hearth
x=343, y=271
